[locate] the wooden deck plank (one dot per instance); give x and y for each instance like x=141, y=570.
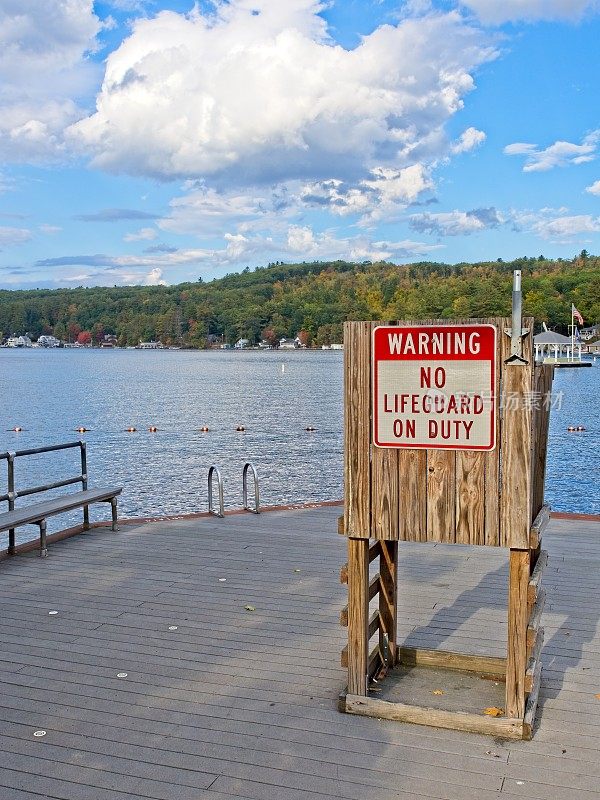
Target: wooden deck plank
x=238, y=704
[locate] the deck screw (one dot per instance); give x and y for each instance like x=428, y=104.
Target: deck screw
x=52, y=613
x=121, y=674
x=39, y=733
x=172, y=627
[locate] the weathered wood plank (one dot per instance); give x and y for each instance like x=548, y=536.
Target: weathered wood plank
x=434, y=717
x=535, y=581
x=412, y=495
x=491, y=490
x=441, y=496
x=358, y=613
x=541, y=397
x=516, y=660
x=532, y=701
x=515, y=507
x=538, y=527
x=470, y=498
x=357, y=429
x=414, y=656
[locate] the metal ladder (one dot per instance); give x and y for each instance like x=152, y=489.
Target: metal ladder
x=214, y=471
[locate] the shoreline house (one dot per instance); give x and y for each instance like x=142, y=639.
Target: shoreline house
x=288, y=344
x=241, y=344
x=48, y=341
x=19, y=341
x=589, y=333
x=149, y=346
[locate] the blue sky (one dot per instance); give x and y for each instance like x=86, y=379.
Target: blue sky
x=147, y=141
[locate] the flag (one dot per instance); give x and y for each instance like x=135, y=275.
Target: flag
x=576, y=314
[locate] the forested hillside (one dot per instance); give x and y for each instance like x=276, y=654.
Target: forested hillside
x=283, y=299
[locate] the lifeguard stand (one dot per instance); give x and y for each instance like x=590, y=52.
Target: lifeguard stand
x=460, y=495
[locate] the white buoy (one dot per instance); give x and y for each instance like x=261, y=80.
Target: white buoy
x=282, y=368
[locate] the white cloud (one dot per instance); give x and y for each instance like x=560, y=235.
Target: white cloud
x=143, y=235
x=556, y=225
x=42, y=68
x=13, y=236
x=559, y=154
x=155, y=278
x=50, y=229
x=456, y=223
x=469, y=140
x=257, y=93
x=594, y=188
x=495, y=12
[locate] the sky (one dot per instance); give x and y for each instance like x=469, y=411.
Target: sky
x=159, y=141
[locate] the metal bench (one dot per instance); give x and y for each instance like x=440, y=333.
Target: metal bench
x=37, y=513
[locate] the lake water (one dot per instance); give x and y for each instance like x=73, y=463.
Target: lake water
x=275, y=395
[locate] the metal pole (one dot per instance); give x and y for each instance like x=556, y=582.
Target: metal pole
x=84, y=484
x=516, y=331
x=11, y=499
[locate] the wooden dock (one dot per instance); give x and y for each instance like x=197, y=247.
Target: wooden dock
x=228, y=688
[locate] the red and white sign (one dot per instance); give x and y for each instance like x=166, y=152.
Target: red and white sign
x=434, y=386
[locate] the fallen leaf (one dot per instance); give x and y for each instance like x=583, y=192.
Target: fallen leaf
x=597, y=696
x=492, y=753
x=492, y=711
x=438, y=691
x=249, y=608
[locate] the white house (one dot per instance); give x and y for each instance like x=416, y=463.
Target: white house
x=48, y=341
x=19, y=341
x=288, y=344
x=590, y=333
x=241, y=344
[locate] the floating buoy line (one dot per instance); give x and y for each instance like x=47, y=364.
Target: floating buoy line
x=575, y=429
x=205, y=429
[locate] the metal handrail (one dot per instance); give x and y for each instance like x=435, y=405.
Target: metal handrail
x=12, y=493
x=256, y=509
x=221, y=511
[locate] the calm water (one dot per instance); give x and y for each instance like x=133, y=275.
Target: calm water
x=274, y=395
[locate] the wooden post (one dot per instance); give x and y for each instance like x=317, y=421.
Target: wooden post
x=388, y=595
x=358, y=615
x=518, y=617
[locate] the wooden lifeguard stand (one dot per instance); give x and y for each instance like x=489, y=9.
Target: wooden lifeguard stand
x=490, y=494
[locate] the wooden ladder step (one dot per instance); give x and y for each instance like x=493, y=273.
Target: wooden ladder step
x=535, y=581
x=540, y=524
x=374, y=623
x=374, y=588
x=534, y=622
x=374, y=552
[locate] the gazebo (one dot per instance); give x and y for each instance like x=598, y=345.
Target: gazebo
x=549, y=346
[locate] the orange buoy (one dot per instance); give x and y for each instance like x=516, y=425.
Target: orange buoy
x=81, y=429
x=204, y=429
x=240, y=429
x=130, y=430
x=153, y=429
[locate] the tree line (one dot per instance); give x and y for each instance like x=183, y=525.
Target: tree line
x=311, y=299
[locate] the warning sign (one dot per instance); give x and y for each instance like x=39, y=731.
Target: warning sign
x=434, y=386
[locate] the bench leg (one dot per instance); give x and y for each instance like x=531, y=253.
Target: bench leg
x=113, y=508
x=86, y=518
x=11, y=542
x=43, y=547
